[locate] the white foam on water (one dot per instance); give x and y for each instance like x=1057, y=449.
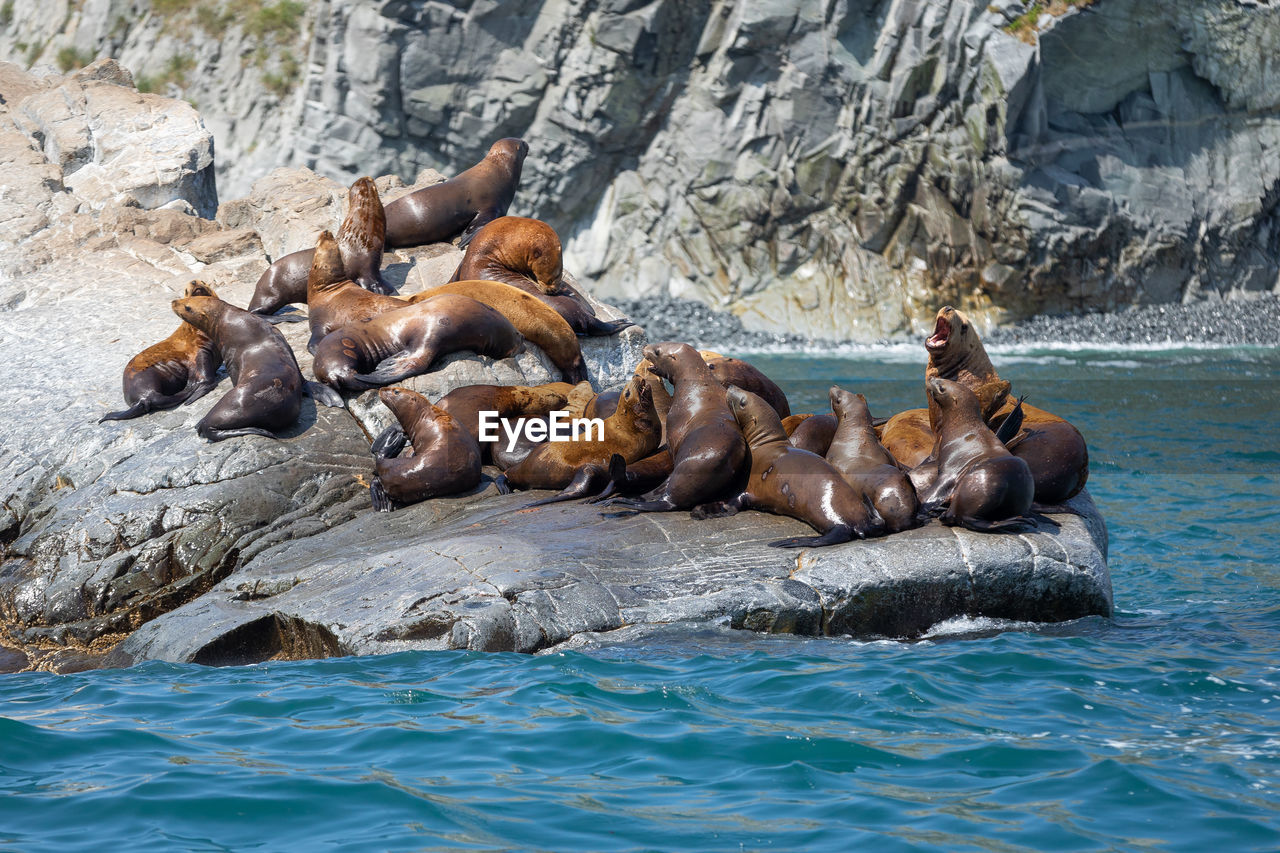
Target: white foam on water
x=975, y=624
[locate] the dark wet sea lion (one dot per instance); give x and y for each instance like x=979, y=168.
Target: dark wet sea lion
x=1053, y=448
x=464, y=404
x=445, y=460
x=814, y=434
x=536, y=321
x=580, y=467
x=267, y=386
x=180, y=369
x=707, y=448
x=360, y=241
x=462, y=205
x=982, y=485
x=786, y=480
x=748, y=377
x=403, y=343
x=867, y=466
x=333, y=299
x=525, y=253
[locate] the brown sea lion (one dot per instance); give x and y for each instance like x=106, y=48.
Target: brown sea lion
x=791, y=422
x=267, y=386
x=707, y=448
x=445, y=460
x=1053, y=448
x=908, y=437
x=466, y=403
x=815, y=433
x=360, y=241
x=580, y=467
x=982, y=485
x=525, y=253
x=180, y=369
x=333, y=299
x=867, y=466
x=748, y=377
x=789, y=481
x=537, y=322
x=403, y=343
x=462, y=205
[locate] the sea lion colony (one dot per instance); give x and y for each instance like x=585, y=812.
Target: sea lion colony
x=692, y=430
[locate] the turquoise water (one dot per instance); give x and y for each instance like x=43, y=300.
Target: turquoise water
x=1159, y=728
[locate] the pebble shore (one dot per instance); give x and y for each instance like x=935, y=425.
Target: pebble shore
x=1238, y=322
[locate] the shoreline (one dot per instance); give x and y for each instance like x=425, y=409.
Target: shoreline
x=1245, y=322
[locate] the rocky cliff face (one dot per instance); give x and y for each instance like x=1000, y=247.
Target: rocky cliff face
x=837, y=169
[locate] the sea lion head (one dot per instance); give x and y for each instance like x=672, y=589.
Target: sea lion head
x=326, y=265
x=366, y=222
x=846, y=404
x=196, y=287
x=955, y=344
x=411, y=408
x=665, y=356
x=199, y=311
x=756, y=419
x=511, y=148
x=637, y=401
x=953, y=397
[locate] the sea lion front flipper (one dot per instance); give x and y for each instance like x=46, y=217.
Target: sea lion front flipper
x=199, y=389
x=617, y=477
x=504, y=487
x=595, y=327
x=1011, y=424
x=324, y=395
x=716, y=509
x=379, y=498
x=836, y=535
x=481, y=219
x=291, y=317
x=389, y=443
x=396, y=369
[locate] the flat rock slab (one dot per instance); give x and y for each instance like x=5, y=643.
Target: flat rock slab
x=480, y=572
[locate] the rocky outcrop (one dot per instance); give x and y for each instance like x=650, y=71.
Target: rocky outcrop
x=137, y=540
x=834, y=170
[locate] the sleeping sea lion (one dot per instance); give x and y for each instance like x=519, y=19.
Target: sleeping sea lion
x=461, y=205
x=180, y=369
x=445, y=460
x=789, y=481
x=525, y=253
x=360, y=241
x=402, y=343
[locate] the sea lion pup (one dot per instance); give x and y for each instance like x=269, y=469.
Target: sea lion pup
x=267, y=386
x=525, y=253
x=539, y=323
x=465, y=404
x=461, y=205
x=180, y=369
x=1053, y=448
x=983, y=485
x=866, y=465
x=707, y=448
x=360, y=241
x=333, y=299
x=398, y=344
x=579, y=467
x=789, y=481
x=445, y=460
x=748, y=377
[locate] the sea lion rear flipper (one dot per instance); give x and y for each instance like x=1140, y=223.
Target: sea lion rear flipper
x=716, y=509
x=291, y=317
x=138, y=409
x=834, y=536
x=199, y=389
x=214, y=434
x=595, y=327
x=323, y=394
x=1012, y=423
x=617, y=477
x=389, y=443
x=482, y=219
x=585, y=483
x=379, y=497
x=504, y=487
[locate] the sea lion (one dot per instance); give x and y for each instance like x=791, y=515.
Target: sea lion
x=466, y=403
x=525, y=253
x=180, y=369
x=579, y=467
x=908, y=437
x=707, y=448
x=461, y=205
x=267, y=386
x=791, y=422
x=360, y=241
x=982, y=485
x=1054, y=449
x=814, y=434
x=866, y=465
x=402, y=343
x=445, y=460
x=537, y=322
x=748, y=377
x=789, y=481
x=333, y=299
